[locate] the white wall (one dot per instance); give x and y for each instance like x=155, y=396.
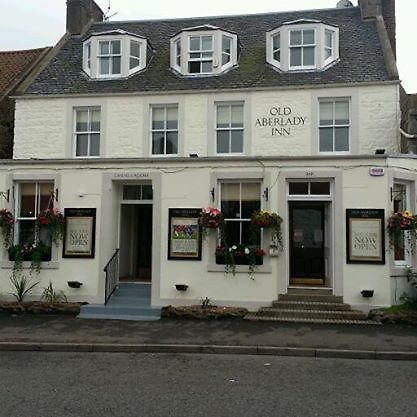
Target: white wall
x=44, y=126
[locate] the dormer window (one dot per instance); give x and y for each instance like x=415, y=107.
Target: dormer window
x=304, y=45
x=203, y=50
x=114, y=54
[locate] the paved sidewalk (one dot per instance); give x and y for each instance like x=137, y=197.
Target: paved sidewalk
x=232, y=336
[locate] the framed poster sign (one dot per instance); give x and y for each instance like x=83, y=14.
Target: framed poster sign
x=184, y=236
x=365, y=236
x=80, y=232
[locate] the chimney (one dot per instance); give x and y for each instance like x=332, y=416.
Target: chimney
x=80, y=13
x=386, y=8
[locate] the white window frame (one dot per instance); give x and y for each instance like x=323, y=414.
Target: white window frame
x=284, y=31
x=75, y=132
x=111, y=56
x=125, y=55
x=184, y=40
x=302, y=46
x=138, y=58
x=327, y=48
x=407, y=256
x=230, y=128
x=165, y=130
x=87, y=57
x=240, y=219
x=309, y=196
x=274, y=50
x=200, y=51
x=334, y=126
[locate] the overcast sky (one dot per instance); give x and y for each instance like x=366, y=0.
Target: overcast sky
x=36, y=23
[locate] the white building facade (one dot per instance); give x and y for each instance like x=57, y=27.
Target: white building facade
x=134, y=119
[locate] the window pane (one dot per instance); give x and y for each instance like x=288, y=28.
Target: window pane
x=26, y=232
x=158, y=118
x=82, y=121
x=147, y=192
x=132, y=192
x=104, y=48
x=327, y=53
x=326, y=114
x=207, y=55
x=249, y=206
x=116, y=65
x=95, y=120
x=251, y=191
x=276, y=42
x=104, y=66
x=172, y=143
x=133, y=63
x=82, y=145
x=326, y=139
x=223, y=141
x=320, y=188
x=237, y=116
x=342, y=112
x=232, y=234
x=250, y=235
x=341, y=139
x=308, y=37
x=172, y=118
x=223, y=116
x=194, y=43
x=230, y=194
x=295, y=57
x=27, y=200
x=95, y=144
x=237, y=141
x=226, y=44
x=400, y=197
x=308, y=56
x=207, y=66
x=207, y=43
x=158, y=143
x=115, y=45
x=135, y=49
x=194, y=67
x=329, y=39
x=225, y=59
x=46, y=239
x=295, y=37
x=298, y=188
x=277, y=55
x=46, y=196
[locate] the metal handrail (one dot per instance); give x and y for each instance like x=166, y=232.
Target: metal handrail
x=112, y=275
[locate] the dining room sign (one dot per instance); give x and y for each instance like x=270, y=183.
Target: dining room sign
x=365, y=236
x=80, y=233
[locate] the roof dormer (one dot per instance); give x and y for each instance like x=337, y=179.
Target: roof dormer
x=114, y=54
x=303, y=45
x=203, y=51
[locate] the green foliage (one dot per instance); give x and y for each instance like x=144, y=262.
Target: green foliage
x=49, y=295
x=205, y=303
x=22, y=286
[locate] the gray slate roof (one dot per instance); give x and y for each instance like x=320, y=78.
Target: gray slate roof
x=361, y=56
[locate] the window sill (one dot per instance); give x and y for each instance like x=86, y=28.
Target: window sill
x=240, y=269
x=26, y=265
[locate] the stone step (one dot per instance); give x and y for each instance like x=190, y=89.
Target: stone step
x=119, y=309
x=255, y=317
x=129, y=300
x=306, y=314
x=304, y=291
x=310, y=297
x=119, y=317
x=310, y=305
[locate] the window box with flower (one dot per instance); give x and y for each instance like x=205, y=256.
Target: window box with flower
x=210, y=219
x=402, y=225
x=239, y=255
x=6, y=225
x=264, y=219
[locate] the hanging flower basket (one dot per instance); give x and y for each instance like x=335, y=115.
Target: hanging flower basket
x=402, y=225
x=6, y=225
x=52, y=220
x=264, y=219
x=211, y=218
x=239, y=255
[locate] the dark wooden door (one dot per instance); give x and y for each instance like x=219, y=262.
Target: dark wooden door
x=307, y=242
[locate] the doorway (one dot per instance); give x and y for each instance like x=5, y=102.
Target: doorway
x=307, y=243
x=136, y=243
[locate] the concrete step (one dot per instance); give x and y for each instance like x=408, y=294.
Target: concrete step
x=310, y=297
x=119, y=317
x=310, y=305
x=313, y=290
x=317, y=314
x=255, y=317
x=129, y=300
x=119, y=309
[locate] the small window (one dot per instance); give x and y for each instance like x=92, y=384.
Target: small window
x=229, y=128
x=238, y=201
x=178, y=53
x=226, y=49
x=276, y=47
x=313, y=188
x=32, y=199
x=200, y=57
x=87, y=132
x=134, y=60
x=302, y=48
x=87, y=52
x=138, y=192
x=164, y=130
x=110, y=57
x=328, y=44
x=334, y=126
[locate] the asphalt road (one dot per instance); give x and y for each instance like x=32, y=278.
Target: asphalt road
x=34, y=384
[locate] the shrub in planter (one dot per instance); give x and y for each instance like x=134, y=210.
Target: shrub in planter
x=211, y=218
x=6, y=225
x=54, y=221
x=400, y=222
x=239, y=255
x=35, y=254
